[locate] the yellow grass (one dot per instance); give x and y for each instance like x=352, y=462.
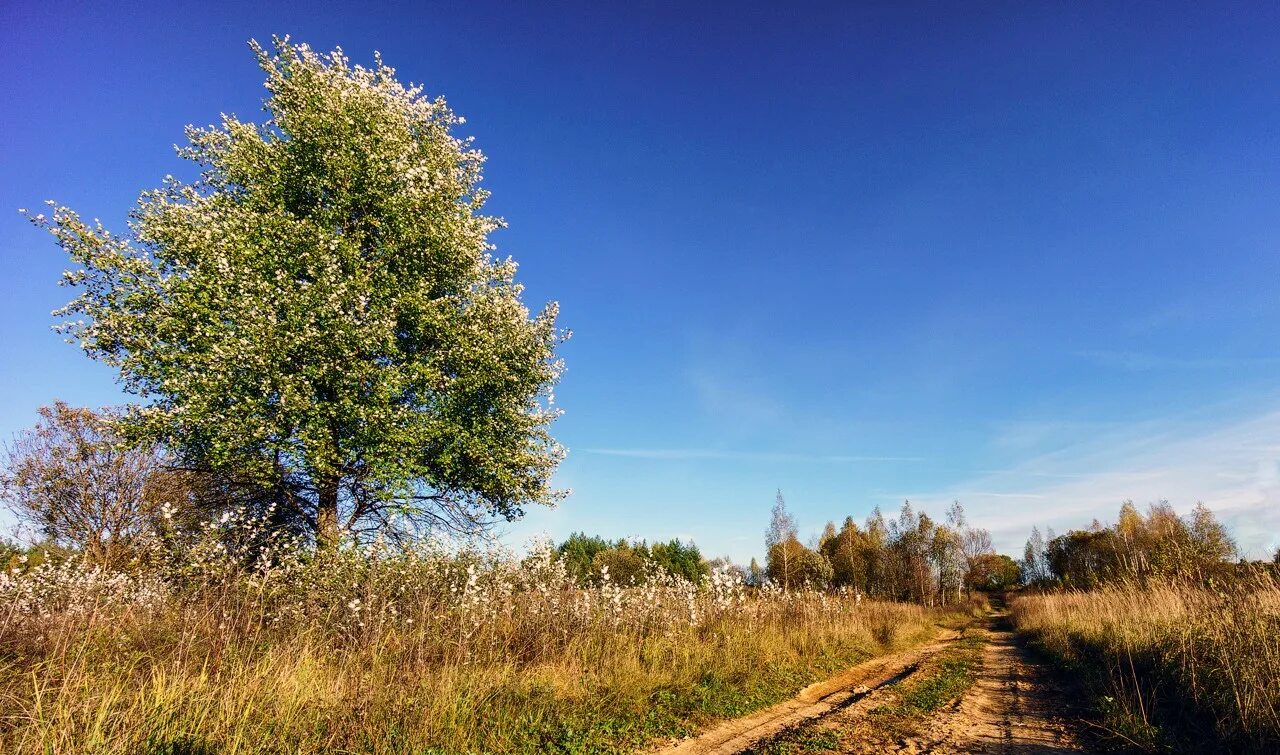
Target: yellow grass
x=1169, y=662
x=435, y=657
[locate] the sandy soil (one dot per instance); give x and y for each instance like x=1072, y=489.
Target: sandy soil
x=1011, y=709
x=815, y=701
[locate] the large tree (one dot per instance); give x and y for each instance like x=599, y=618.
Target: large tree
x=320, y=309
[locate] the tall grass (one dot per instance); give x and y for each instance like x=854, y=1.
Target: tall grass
x=421, y=651
x=1169, y=664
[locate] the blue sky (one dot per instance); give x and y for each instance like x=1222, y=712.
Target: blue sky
x=1023, y=254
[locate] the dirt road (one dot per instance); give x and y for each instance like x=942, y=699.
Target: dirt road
x=1010, y=710
x=1007, y=709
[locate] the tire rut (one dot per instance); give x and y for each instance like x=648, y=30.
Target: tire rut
x=1010, y=709
x=819, y=700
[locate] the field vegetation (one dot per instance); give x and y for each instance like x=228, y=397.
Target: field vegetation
x=1170, y=666
x=421, y=650
x=1176, y=644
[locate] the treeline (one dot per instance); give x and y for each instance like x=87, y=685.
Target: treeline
x=589, y=558
x=1138, y=547
x=911, y=557
x=80, y=489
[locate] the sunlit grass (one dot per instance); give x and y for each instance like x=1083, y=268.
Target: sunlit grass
x=1167, y=662
x=408, y=653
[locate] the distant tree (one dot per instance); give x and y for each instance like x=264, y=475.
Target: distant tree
x=994, y=572
x=320, y=311
x=680, y=559
x=1035, y=566
x=793, y=565
x=949, y=566
x=782, y=530
x=74, y=480
x=578, y=552
x=974, y=545
x=1128, y=539
x=625, y=565
x=1210, y=541
x=877, y=554
x=910, y=573
x=1082, y=559
x=1160, y=544
x=828, y=534
x=847, y=552
x=756, y=575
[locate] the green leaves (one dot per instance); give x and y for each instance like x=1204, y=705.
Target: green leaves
x=322, y=308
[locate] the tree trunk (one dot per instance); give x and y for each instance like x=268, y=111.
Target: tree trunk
x=328, y=534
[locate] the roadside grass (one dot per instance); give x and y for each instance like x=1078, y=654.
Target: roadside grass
x=1168, y=667
x=437, y=655
x=300, y=702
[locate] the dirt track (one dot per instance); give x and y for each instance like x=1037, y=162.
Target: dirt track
x=1009, y=709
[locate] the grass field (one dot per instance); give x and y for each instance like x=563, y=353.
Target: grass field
x=427, y=652
x=1170, y=665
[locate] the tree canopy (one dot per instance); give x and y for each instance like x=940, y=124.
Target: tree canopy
x=587, y=556
x=1137, y=547
x=320, y=311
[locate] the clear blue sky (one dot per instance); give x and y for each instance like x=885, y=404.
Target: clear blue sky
x=1019, y=254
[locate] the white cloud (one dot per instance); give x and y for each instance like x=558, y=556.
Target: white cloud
x=1234, y=469
x=678, y=454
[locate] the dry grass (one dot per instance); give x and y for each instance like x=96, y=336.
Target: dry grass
x=1172, y=665
x=426, y=652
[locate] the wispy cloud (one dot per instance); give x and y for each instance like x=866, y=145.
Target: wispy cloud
x=1233, y=468
x=1138, y=361
x=719, y=454
x=1029, y=434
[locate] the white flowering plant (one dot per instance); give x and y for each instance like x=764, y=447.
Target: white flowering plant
x=321, y=312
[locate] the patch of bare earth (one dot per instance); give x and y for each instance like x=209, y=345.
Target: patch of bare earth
x=1010, y=709
x=814, y=702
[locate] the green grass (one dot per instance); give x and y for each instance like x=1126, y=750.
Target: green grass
x=946, y=682
x=800, y=740
x=677, y=712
